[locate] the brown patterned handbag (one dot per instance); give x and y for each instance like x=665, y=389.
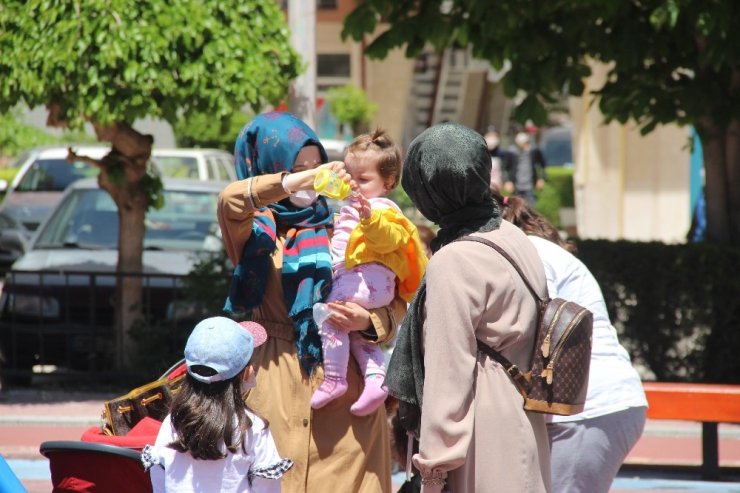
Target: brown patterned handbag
x=561, y=356
x=152, y=400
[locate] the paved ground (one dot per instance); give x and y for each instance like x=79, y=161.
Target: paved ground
x=29, y=417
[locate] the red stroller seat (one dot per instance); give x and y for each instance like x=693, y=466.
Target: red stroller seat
x=101, y=463
x=95, y=468
x=143, y=433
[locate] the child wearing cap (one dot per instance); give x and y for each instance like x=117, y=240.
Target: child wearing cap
x=211, y=441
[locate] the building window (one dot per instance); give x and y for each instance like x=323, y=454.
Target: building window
x=320, y=4
x=335, y=65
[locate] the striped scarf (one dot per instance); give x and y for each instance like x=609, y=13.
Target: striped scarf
x=269, y=144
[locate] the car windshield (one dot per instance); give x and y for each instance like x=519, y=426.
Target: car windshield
x=88, y=218
x=177, y=166
x=54, y=175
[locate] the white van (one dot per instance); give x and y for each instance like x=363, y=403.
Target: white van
x=43, y=174
x=196, y=163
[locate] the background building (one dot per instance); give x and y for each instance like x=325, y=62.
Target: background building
x=629, y=186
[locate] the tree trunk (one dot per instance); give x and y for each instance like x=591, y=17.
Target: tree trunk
x=130, y=152
x=721, y=147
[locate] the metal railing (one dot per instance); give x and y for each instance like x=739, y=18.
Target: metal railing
x=66, y=319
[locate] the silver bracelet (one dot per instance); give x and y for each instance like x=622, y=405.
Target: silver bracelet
x=249, y=193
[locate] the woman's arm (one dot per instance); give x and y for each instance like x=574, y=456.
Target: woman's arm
x=237, y=204
x=454, y=304
x=240, y=199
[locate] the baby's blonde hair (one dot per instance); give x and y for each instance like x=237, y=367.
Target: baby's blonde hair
x=389, y=159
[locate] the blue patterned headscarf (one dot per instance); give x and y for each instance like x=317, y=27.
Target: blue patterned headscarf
x=266, y=145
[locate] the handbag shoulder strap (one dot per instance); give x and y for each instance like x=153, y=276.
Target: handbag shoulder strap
x=508, y=257
x=520, y=379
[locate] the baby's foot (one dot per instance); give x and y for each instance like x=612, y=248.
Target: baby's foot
x=330, y=389
x=373, y=395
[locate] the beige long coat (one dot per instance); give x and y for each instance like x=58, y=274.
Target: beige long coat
x=473, y=429
x=332, y=449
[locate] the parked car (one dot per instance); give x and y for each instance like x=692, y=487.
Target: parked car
x=557, y=146
x=196, y=163
x=13, y=241
x=43, y=174
x=334, y=148
x=57, y=303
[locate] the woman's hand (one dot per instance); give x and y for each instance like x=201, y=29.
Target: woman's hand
x=349, y=316
x=303, y=180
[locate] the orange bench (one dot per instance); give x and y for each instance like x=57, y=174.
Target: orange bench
x=709, y=404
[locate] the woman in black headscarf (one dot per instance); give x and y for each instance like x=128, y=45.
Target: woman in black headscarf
x=473, y=433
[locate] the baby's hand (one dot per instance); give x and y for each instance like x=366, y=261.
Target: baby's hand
x=359, y=202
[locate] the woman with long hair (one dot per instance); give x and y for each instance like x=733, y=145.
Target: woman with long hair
x=588, y=448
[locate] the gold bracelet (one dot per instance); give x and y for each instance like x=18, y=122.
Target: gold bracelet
x=432, y=481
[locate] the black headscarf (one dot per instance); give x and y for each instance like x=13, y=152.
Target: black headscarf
x=446, y=174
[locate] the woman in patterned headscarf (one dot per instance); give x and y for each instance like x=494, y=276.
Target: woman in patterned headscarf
x=275, y=232
x=473, y=432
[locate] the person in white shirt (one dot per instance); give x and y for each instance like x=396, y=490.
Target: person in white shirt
x=588, y=448
x=211, y=441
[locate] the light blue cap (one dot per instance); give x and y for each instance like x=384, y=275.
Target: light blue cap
x=220, y=344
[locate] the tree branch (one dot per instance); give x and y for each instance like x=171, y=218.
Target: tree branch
x=72, y=156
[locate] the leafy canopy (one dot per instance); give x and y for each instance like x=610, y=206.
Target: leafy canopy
x=116, y=60
x=669, y=60
x=16, y=136
x=350, y=105
x=203, y=130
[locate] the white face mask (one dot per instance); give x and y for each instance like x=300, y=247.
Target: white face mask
x=492, y=143
x=303, y=198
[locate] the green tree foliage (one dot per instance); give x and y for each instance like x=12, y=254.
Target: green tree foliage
x=110, y=62
x=557, y=194
x=669, y=61
x=350, y=105
x=16, y=136
x=204, y=130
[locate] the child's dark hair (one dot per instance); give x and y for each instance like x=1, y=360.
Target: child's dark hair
x=390, y=161
x=516, y=210
x=205, y=415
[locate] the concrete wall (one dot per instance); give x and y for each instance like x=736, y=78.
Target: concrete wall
x=160, y=129
x=628, y=186
x=387, y=82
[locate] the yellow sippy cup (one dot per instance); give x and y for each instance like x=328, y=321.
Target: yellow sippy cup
x=327, y=183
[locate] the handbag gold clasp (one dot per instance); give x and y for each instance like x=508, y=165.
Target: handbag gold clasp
x=146, y=400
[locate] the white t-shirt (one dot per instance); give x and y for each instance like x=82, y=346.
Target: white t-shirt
x=613, y=383
x=259, y=470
